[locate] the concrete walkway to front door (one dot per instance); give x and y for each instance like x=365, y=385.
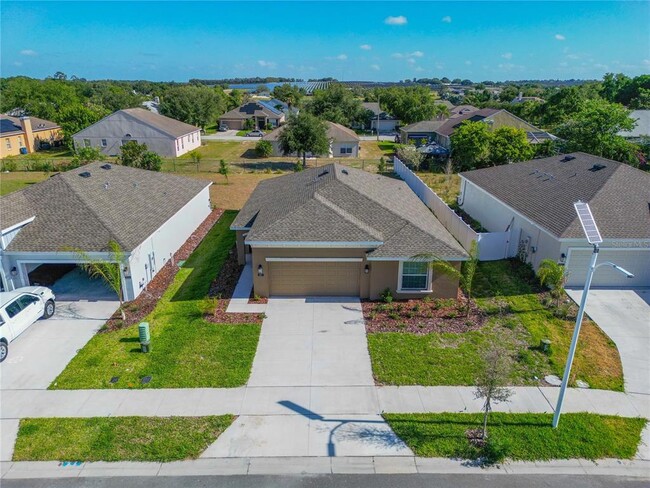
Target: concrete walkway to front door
x=318, y=343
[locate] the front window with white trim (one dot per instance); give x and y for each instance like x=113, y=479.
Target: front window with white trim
x=414, y=276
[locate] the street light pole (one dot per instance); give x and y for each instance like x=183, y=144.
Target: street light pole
x=378, y=112
x=574, y=340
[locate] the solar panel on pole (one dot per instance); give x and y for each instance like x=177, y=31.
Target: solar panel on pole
x=588, y=223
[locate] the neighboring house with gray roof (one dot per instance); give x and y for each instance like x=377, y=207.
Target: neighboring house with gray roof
x=263, y=114
x=641, y=129
x=149, y=214
x=380, y=118
x=163, y=135
x=533, y=201
x=418, y=131
x=344, y=142
x=335, y=230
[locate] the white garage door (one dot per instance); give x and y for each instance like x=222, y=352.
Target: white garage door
x=315, y=278
x=636, y=261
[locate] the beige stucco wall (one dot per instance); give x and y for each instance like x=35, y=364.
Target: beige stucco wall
x=241, y=248
x=381, y=275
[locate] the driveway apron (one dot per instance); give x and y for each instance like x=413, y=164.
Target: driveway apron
x=312, y=362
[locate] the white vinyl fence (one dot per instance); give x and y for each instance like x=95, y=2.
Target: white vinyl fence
x=491, y=245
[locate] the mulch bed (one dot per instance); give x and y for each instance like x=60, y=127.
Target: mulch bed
x=143, y=305
x=255, y=300
x=422, y=316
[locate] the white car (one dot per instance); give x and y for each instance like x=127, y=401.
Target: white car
x=19, y=309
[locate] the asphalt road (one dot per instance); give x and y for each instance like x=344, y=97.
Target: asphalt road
x=342, y=481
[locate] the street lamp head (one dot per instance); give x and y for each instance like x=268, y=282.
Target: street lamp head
x=617, y=268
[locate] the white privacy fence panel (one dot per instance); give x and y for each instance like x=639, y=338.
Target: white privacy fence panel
x=492, y=245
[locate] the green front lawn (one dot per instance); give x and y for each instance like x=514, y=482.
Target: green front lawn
x=524, y=437
x=507, y=292
x=17, y=180
x=187, y=351
x=161, y=439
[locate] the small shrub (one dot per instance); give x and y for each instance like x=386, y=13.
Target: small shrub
x=298, y=167
x=372, y=315
x=393, y=315
x=427, y=299
x=410, y=314
x=381, y=167
x=263, y=149
x=416, y=307
x=562, y=312
x=8, y=165
x=399, y=307
x=268, y=171
x=386, y=296
x=451, y=315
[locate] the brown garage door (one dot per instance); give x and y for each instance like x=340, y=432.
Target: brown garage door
x=320, y=278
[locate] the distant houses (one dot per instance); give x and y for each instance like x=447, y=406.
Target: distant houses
x=24, y=135
x=642, y=128
x=264, y=115
x=380, y=120
x=163, y=135
x=344, y=142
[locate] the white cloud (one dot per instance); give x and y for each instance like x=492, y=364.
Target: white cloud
x=399, y=20
x=646, y=62
x=397, y=55
x=601, y=66
x=468, y=62
x=506, y=55
x=560, y=37
x=447, y=19
x=28, y=52
x=419, y=68
x=411, y=61
x=365, y=47
x=375, y=67
x=342, y=57
x=415, y=54
x=440, y=66
x=506, y=66
x=18, y=63
x=267, y=64
x=572, y=56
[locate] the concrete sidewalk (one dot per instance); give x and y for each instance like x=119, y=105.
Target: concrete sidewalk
x=239, y=301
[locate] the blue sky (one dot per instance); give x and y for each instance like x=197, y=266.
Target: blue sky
x=371, y=40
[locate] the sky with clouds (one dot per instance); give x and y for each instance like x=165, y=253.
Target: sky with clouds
x=374, y=40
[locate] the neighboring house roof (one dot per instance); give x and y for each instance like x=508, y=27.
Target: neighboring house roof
x=544, y=191
x=335, y=132
x=123, y=204
x=446, y=103
x=10, y=126
x=642, y=128
x=487, y=114
x=462, y=110
x=171, y=127
x=376, y=109
x=252, y=109
x=519, y=99
x=424, y=126
x=339, y=204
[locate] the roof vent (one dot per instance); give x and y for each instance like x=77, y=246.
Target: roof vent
x=345, y=171
x=597, y=167
x=106, y=166
x=85, y=174
x=567, y=158
x=323, y=173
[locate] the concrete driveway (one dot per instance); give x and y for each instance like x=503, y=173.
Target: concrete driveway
x=39, y=354
x=624, y=315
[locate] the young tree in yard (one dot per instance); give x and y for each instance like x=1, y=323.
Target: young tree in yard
x=465, y=275
x=136, y=155
x=196, y=105
x=264, y=149
x=409, y=155
x=494, y=374
x=109, y=270
x=552, y=275
x=337, y=104
x=288, y=93
x=510, y=145
x=196, y=157
x=304, y=133
x=470, y=145
x=85, y=155
x=224, y=169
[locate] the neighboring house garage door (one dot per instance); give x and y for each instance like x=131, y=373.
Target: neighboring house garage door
x=315, y=278
x=636, y=261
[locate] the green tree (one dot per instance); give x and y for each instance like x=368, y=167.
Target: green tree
x=85, y=155
x=288, y=93
x=264, y=149
x=196, y=158
x=510, y=145
x=409, y=104
x=196, y=105
x=224, y=169
x=470, y=145
x=76, y=117
x=409, y=155
x=136, y=155
x=108, y=270
x=304, y=133
x=593, y=129
x=552, y=275
x=337, y=104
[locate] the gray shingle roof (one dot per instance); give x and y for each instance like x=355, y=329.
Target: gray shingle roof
x=122, y=204
x=336, y=203
x=11, y=125
x=544, y=191
x=251, y=109
x=424, y=126
x=336, y=132
x=169, y=126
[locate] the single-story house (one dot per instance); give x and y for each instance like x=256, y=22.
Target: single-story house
x=262, y=113
x=335, y=230
x=520, y=98
x=460, y=110
x=149, y=214
x=344, y=142
x=533, y=201
x=24, y=135
x=163, y=135
x=380, y=119
x=642, y=128
x=416, y=132
x=495, y=118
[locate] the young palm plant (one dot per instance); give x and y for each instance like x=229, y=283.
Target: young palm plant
x=552, y=275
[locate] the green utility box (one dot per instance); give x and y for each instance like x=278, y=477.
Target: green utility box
x=145, y=337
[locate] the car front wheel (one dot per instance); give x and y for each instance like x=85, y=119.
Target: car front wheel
x=49, y=309
x=4, y=350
